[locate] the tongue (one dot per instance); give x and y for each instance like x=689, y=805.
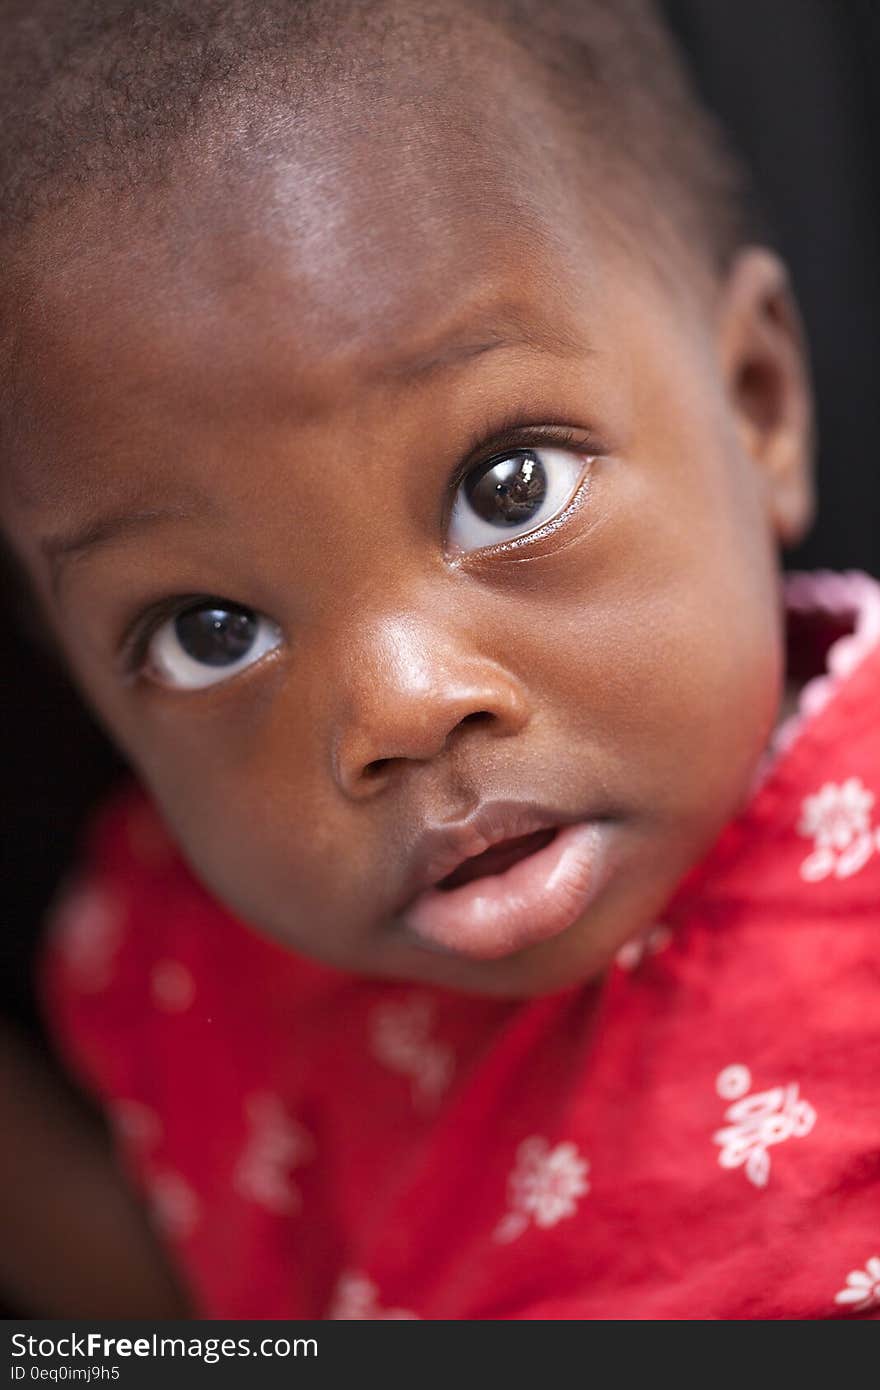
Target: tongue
x=497, y=859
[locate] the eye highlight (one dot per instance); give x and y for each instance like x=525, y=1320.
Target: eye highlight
x=206, y=643
x=512, y=494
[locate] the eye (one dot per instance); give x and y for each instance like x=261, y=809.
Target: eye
x=512, y=494
x=208, y=643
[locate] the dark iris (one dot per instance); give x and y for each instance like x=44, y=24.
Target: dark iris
x=216, y=636
x=508, y=491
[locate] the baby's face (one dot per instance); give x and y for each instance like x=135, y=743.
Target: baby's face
x=381, y=525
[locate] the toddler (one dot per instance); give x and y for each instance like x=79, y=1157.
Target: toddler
x=401, y=426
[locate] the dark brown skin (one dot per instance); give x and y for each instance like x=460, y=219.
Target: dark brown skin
x=255, y=368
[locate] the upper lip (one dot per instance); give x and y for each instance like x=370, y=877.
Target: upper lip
x=441, y=848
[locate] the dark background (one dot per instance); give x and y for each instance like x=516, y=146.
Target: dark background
x=795, y=82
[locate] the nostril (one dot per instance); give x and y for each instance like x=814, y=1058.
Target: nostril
x=376, y=767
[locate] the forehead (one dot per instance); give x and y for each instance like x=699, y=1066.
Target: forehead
x=340, y=248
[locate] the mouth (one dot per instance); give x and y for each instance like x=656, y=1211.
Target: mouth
x=497, y=860
x=508, y=878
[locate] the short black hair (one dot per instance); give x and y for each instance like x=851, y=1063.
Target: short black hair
x=98, y=94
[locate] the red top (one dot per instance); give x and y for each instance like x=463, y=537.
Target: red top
x=696, y=1137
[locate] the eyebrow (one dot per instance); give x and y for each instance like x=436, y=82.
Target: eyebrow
x=457, y=348
x=60, y=549
x=426, y=364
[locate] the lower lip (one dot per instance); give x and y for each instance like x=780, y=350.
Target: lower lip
x=534, y=900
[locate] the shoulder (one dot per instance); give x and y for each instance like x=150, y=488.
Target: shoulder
x=126, y=866
x=143, y=971
x=121, y=944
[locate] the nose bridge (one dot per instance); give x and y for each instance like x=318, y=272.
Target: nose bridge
x=412, y=678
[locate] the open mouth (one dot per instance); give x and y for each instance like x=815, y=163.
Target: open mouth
x=519, y=892
x=497, y=859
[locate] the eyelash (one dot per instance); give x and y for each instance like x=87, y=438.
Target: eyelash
x=513, y=433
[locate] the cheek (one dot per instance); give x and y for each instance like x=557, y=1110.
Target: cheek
x=232, y=781
x=669, y=711
x=241, y=794
x=245, y=791
x=660, y=645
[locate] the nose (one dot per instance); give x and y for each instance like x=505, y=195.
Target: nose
x=412, y=693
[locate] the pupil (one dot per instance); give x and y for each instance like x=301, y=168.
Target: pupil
x=216, y=636
x=508, y=491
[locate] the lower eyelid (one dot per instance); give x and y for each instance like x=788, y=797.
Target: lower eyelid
x=214, y=688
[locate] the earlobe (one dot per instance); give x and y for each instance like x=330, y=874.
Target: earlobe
x=764, y=359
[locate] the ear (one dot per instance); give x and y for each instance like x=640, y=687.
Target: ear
x=764, y=359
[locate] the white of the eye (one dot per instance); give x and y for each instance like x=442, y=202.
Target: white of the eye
x=170, y=665
x=563, y=470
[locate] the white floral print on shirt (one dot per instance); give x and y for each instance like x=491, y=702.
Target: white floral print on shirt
x=137, y=1125
x=631, y=954
x=544, y=1186
x=172, y=986
x=174, y=1204
x=356, y=1299
x=275, y=1145
x=862, y=1287
x=756, y=1122
x=400, y=1039
x=838, y=819
x=87, y=929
